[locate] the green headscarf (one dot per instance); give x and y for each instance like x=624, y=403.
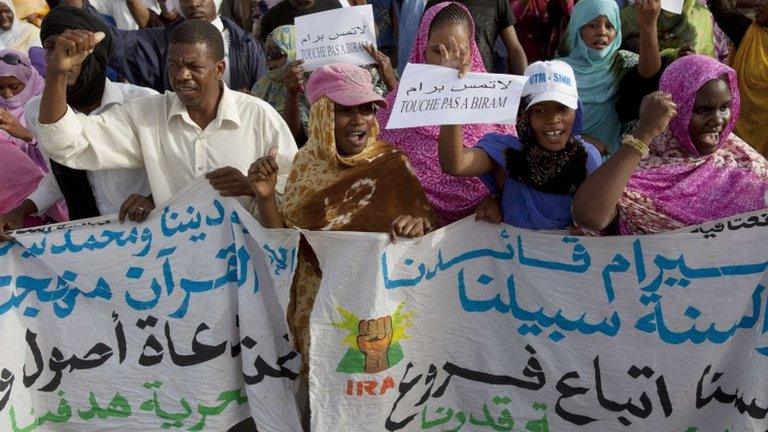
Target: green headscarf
x=270, y=87
x=597, y=72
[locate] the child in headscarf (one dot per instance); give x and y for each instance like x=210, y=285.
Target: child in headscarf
x=453, y=198
x=691, y=172
x=538, y=172
x=750, y=41
x=592, y=42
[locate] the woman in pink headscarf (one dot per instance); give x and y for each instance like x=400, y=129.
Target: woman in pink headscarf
x=452, y=197
x=694, y=171
x=22, y=165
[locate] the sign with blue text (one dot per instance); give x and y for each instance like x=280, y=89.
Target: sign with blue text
x=176, y=323
x=480, y=327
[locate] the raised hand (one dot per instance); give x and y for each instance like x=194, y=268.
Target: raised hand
x=71, y=49
x=455, y=56
x=647, y=12
x=384, y=65
x=262, y=175
x=293, y=79
x=374, y=338
x=656, y=110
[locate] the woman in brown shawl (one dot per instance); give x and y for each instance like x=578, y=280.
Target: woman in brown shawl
x=342, y=179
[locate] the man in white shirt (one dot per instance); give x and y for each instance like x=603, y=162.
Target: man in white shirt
x=176, y=137
x=87, y=193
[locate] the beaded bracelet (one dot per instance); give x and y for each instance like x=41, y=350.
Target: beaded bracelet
x=635, y=144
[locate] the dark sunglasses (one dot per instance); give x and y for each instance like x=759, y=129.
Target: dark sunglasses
x=11, y=59
x=275, y=54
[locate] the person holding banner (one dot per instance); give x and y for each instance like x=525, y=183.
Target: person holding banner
x=691, y=172
x=539, y=170
x=453, y=198
x=344, y=178
x=591, y=47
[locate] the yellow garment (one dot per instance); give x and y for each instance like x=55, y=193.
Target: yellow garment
x=318, y=164
x=751, y=65
x=25, y=8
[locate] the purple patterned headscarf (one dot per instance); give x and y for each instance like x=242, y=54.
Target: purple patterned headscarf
x=675, y=186
x=33, y=86
x=452, y=197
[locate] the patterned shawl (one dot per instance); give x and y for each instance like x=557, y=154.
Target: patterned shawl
x=364, y=192
x=675, y=186
x=452, y=197
x=327, y=191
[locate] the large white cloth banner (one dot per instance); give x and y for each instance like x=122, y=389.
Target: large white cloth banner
x=489, y=328
x=177, y=323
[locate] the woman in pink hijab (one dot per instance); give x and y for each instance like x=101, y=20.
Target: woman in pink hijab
x=452, y=197
x=22, y=165
x=694, y=171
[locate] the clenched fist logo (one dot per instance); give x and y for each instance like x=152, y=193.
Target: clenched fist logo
x=374, y=338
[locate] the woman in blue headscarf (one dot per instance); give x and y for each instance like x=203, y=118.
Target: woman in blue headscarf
x=592, y=42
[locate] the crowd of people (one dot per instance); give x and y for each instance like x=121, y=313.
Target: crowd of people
x=113, y=106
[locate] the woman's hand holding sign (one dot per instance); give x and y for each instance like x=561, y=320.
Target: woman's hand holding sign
x=384, y=66
x=455, y=56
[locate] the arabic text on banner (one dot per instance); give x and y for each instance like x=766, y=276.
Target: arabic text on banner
x=176, y=323
x=480, y=327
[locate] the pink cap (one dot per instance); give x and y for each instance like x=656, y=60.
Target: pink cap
x=344, y=84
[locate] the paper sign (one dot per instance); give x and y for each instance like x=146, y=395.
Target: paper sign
x=435, y=95
x=674, y=6
x=336, y=36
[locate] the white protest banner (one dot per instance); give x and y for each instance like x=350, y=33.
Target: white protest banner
x=435, y=95
x=335, y=36
x=176, y=323
x=477, y=327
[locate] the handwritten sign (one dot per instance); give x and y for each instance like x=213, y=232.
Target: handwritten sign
x=335, y=36
x=481, y=327
x=174, y=323
x=434, y=95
